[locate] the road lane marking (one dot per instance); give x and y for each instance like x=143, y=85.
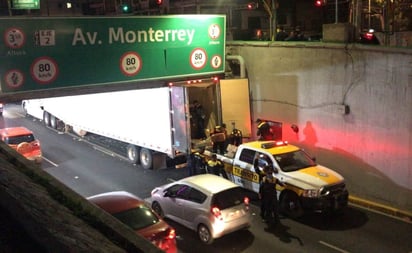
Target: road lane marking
x=333, y=247
x=52, y=163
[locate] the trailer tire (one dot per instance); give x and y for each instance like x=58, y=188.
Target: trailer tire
x=290, y=205
x=46, y=118
x=53, y=121
x=146, y=158
x=132, y=153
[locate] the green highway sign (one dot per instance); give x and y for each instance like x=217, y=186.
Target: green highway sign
x=50, y=53
x=25, y=4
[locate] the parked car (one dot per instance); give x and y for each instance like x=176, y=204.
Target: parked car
x=23, y=141
x=208, y=204
x=133, y=211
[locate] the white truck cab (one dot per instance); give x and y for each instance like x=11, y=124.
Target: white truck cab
x=308, y=185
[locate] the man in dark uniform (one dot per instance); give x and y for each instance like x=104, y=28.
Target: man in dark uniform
x=263, y=130
x=216, y=167
x=268, y=197
x=199, y=117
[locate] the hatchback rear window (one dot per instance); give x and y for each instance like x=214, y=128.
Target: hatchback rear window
x=228, y=198
x=14, y=140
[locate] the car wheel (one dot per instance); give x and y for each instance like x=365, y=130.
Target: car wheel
x=204, y=234
x=146, y=158
x=132, y=153
x=46, y=118
x=290, y=205
x=158, y=209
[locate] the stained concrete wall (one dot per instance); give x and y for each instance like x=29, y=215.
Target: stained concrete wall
x=312, y=84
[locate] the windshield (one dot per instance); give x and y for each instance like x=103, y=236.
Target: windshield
x=294, y=161
x=137, y=218
x=14, y=140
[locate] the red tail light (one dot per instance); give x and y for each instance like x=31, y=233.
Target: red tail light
x=216, y=212
x=172, y=234
x=246, y=201
x=167, y=242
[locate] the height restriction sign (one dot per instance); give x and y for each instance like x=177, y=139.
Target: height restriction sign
x=51, y=53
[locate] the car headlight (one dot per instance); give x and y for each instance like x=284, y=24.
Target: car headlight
x=311, y=193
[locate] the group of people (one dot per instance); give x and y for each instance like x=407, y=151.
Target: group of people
x=197, y=165
x=294, y=35
x=269, y=207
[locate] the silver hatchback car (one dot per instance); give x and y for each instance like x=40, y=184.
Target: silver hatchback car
x=208, y=204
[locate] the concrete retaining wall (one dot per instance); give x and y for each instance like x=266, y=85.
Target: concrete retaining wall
x=352, y=104
x=55, y=217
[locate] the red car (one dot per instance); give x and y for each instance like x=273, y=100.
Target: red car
x=22, y=140
x=132, y=211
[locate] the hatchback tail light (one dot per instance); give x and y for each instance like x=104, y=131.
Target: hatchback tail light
x=216, y=212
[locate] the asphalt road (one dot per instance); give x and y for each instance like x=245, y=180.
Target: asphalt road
x=89, y=169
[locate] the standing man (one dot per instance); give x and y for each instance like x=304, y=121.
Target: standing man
x=199, y=118
x=269, y=210
x=263, y=130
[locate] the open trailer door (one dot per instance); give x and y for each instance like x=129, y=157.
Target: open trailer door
x=235, y=105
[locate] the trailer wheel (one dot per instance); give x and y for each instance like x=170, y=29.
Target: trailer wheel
x=53, y=121
x=132, y=153
x=46, y=118
x=290, y=205
x=146, y=158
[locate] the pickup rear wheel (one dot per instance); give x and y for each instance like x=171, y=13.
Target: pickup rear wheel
x=146, y=158
x=290, y=205
x=132, y=153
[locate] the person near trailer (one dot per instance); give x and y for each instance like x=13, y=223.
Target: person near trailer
x=216, y=167
x=199, y=161
x=269, y=207
x=219, y=139
x=263, y=130
x=199, y=118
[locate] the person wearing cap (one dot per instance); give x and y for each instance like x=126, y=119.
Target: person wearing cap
x=263, y=130
x=216, y=167
x=269, y=210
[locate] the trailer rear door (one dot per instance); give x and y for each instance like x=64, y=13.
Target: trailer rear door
x=180, y=124
x=235, y=105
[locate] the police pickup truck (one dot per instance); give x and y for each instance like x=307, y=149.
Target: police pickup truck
x=308, y=186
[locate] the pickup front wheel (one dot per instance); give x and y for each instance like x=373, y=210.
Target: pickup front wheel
x=290, y=205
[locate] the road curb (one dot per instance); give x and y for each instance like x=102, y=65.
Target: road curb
x=378, y=207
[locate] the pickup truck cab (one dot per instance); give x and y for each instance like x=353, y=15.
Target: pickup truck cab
x=307, y=185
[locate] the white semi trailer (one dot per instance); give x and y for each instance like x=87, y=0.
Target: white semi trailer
x=154, y=122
